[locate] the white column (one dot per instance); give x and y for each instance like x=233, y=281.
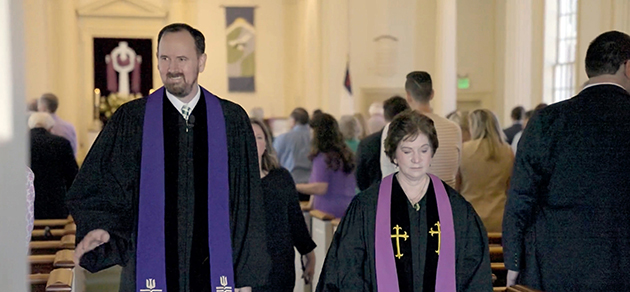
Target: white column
x=445, y=77
x=13, y=150
x=518, y=57
x=312, y=53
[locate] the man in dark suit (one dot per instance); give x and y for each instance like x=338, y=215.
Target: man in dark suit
x=566, y=225
x=518, y=113
x=54, y=166
x=369, y=151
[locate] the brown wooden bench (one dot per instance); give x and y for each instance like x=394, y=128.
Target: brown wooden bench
x=494, y=238
x=60, y=280
x=496, y=253
x=321, y=215
x=47, y=234
x=521, y=288
x=38, y=282
x=52, y=246
x=44, y=264
x=52, y=223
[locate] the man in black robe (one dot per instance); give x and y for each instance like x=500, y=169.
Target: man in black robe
x=567, y=218
x=104, y=199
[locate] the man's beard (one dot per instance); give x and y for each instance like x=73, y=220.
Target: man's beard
x=181, y=89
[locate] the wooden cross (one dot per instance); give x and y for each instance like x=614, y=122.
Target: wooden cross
x=439, y=234
x=398, y=236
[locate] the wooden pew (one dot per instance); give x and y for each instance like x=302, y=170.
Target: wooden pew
x=38, y=282
x=43, y=264
x=496, y=253
x=322, y=232
x=47, y=234
x=521, y=288
x=52, y=246
x=52, y=223
x=60, y=280
x=495, y=238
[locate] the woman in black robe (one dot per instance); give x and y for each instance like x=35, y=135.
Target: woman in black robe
x=285, y=223
x=411, y=231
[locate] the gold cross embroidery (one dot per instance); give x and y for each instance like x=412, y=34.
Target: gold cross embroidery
x=439, y=234
x=398, y=236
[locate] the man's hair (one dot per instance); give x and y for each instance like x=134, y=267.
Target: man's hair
x=407, y=126
x=40, y=120
x=419, y=86
x=200, y=40
x=51, y=102
x=606, y=53
x=517, y=113
x=300, y=115
x=393, y=106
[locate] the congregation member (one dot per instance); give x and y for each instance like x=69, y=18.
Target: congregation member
x=350, y=130
x=332, y=183
x=171, y=189
x=487, y=162
x=285, y=225
x=411, y=231
x=419, y=88
x=461, y=118
x=528, y=115
x=362, y=125
x=293, y=148
x=517, y=115
x=376, y=121
x=370, y=148
x=53, y=165
x=49, y=103
x=567, y=223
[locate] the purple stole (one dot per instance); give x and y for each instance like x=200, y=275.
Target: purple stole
x=386, y=275
x=150, y=257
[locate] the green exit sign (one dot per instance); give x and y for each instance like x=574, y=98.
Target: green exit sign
x=463, y=82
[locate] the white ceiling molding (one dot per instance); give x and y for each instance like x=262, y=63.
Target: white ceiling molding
x=121, y=8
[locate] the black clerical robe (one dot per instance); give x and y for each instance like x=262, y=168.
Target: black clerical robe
x=369, y=161
x=350, y=262
x=105, y=196
x=567, y=218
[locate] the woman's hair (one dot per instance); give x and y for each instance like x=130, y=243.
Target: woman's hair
x=349, y=127
x=408, y=125
x=268, y=160
x=460, y=118
x=485, y=125
x=327, y=139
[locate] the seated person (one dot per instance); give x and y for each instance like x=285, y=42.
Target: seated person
x=411, y=231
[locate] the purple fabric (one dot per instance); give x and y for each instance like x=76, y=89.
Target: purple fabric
x=66, y=130
x=386, y=275
x=150, y=267
x=340, y=191
x=445, y=276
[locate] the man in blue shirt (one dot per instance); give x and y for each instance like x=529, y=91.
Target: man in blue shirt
x=294, y=146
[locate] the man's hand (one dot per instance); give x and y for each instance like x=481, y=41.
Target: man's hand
x=243, y=289
x=91, y=241
x=511, y=278
x=309, y=269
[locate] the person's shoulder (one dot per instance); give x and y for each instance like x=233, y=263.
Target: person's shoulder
x=374, y=137
x=133, y=108
x=282, y=174
x=231, y=109
x=368, y=197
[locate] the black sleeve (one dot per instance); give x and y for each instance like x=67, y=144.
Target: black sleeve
x=344, y=267
x=368, y=165
x=299, y=232
x=249, y=244
x=101, y=195
x=474, y=272
x=527, y=179
x=69, y=165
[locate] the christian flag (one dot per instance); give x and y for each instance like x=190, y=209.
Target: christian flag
x=347, y=101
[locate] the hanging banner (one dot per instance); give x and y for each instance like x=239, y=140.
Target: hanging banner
x=241, y=48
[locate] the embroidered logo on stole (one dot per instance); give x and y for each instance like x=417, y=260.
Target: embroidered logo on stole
x=224, y=285
x=150, y=283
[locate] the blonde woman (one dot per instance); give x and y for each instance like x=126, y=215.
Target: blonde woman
x=485, y=168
